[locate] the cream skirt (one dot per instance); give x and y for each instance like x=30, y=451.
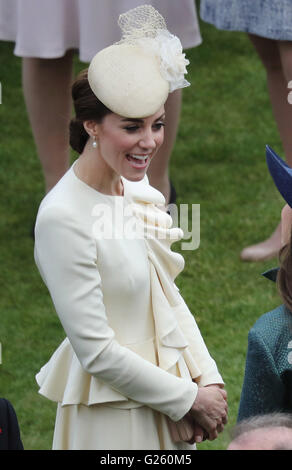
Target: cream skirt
x=99, y=427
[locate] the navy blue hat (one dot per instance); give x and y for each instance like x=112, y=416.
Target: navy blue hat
x=281, y=174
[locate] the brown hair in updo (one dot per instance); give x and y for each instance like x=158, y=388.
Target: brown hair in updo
x=87, y=107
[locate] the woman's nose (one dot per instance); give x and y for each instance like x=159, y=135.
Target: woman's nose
x=147, y=141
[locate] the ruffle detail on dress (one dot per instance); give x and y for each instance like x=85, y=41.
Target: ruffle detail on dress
x=169, y=338
x=165, y=265
x=63, y=379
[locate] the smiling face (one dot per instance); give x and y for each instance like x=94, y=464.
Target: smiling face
x=127, y=146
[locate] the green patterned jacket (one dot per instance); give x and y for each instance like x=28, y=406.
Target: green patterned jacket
x=267, y=385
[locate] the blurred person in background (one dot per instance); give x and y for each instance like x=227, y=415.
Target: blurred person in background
x=264, y=432
x=10, y=438
x=268, y=25
x=267, y=385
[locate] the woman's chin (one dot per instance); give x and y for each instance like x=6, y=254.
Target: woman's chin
x=135, y=178
x=135, y=171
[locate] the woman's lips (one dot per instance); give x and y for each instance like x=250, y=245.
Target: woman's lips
x=138, y=161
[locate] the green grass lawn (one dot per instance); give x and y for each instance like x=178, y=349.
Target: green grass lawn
x=218, y=162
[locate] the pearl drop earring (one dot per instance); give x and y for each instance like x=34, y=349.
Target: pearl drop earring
x=94, y=143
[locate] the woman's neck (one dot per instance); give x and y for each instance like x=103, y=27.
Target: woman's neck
x=94, y=172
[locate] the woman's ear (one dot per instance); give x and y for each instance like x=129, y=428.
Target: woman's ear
x=91, y=128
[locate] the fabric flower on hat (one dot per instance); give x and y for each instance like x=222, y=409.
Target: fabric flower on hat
x=173, y=60
x=169, y=52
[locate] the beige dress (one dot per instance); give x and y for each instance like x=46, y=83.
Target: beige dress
x=132, y=346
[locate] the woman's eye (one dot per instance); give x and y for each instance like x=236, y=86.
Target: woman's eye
x=159, y=125
x=131, y=128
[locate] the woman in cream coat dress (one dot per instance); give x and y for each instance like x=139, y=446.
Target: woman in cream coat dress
x=133, y=367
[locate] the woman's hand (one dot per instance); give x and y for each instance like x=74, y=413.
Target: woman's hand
x=186, y=430
x=206, y=418
x=209, y=410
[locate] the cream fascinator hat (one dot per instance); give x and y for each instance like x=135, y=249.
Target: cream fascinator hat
x=134, y=76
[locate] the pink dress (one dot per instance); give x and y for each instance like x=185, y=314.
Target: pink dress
x=47, y=29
